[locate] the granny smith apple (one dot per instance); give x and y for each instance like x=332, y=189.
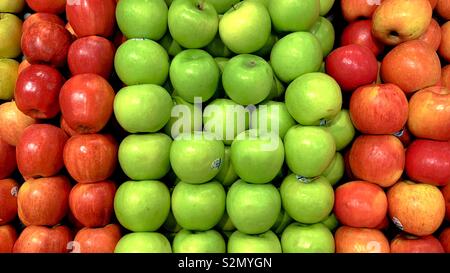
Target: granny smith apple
x=198, y=207
x=272, y=116
x=331, y=222
x=277, y=89
x=309, y=150
x=300, y=238
x=171, y=224
x=335, y=170
x=194, y=73
x=185, y=118
x=225, y=224
x=247, y=79
x=245, y=27
x=267, y=48
x=282, y=222
x=199, y=242
x=294, y=15
x=142, y=19
x=8, y=77
x=264, y=2
x=325, y=6
x=222, y=6
x=313, y=99
x=170, y=45
x=307, y=201
x=143, y=205
x=142, y=108
x=324, y=32
x=140, y=61
x=342, y=129
x=217, y=48
x=196, y=157
x=253, y=208
x=193, y=23
x=169, y=2
x=227, y=174
x=145, y=156
x=143, y=242
x=10, y=35
x=221, y=62
x=266, y=242
x=296, y=54
x=9, y=6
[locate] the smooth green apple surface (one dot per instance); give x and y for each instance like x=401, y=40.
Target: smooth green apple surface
x=253, y=208
x=272, y=116
x=342, y=129
x=170, y=45
x=277, y=90
x=10, y=35
x=12, y=6
x=324, y=31
x=143, y=108
x=307, y=201
x=185, y=118
x=225, y=224
x=217, y=48
x=300, y=238
x=171, y=224
x=199, y=242
x=227, y=174
x=266, y=242
x=222, y=6
x=294, y=15
x=325, y=6
x=198, y=207
x=282, y=222
x=8, y=78
x=331, y=222
x=143, y=205
x=139, y=61
x=267, y=48
x=143, y=242
x=335, y=171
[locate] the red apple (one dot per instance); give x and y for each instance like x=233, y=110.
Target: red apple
x=360, y=204
x=352, y=66
x=404, y=136
x=98, y=240
x=370, y=153
x=360, y=240
x=24, y=64
x=429, y=113
x=444, y=238
x=384, y=224
x=432, y=35
x=92, y=54
x=446, y=193
x=40, y=16
x=8, y=237
x=356, y=9
x=379, y=109
x=43, y=201
x=7, y=159
x=50, y=6
x=412, y=65
x=86, y=102
x=416, y=208
x=92, y=17
x=92, y=203
x=46, y=42
x=37, y=91
x=405, y=243
x=433, y=3
x=360, y=32
x=444, y=47
x=443, y=9
x=445, y=76
x=90, y=158
x=13, y=122
x=69, y=131
x=38, y=239
x=8, y=200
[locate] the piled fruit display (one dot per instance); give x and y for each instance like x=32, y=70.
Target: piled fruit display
x=219, y=126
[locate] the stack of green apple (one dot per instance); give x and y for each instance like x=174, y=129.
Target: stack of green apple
x=235, y=132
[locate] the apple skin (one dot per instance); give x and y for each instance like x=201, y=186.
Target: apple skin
x=10, y=33
x=39, y=239
x=335, y=171
x=41, y=16
x=429, y=113
x=379, y=109
x=360, y=32
x=284, y=14
x=266, y=242
x=352, y=66
x=91, y=54
x=46, y=42
x=39, y=151
x=227, y=175
x=300, y=238
x=342, y=129
x=13, y=122
x=353, y=10
x=12, y=6
x=92, y=17
x=8, y=163
x=98, y=240
x=404, y=243
x=198, y=242
x=360, y=240
x=360, y=204
x=445, y=77
x=371, y=153
x=444, y=50
x=266, y=120
x=48, y=6
x=443, y=9
x=143, y=242
x=9, y=70
x=43, y=201
x=8, y=200
x=8, y=236
x=446, y=193
x=444, y=238
x=90, y=158
x=37, y=91
x=418, y=209
x=412, y=65
x=24, y=64
x=323, y=29
x=69, y=131
x=428, y=161
x=191, y=118
x=432, y=36
x=92, y=204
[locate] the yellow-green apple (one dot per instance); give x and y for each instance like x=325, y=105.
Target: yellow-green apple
x=341, y=128
x=444, y=47
x=324, y=31
x=40, y=16
x=432, y=36
x=222, y=6
x=301, y=238
x=12, y=6
x=360, y=32
x=209, y=241
x=10, y=34
x=325, y=6
x=335, y=171
x=331, y=222
x=444, y=238
x=353, y=10
x=446, y=193
x=272, y=116
x=92, y=17
x=405, y=243
x=8, y=236
x=8, y=161
x=282, y=222
x=170, y=45
x=13, y=122
x=443, y=9
x=284, y=14
x=48, y=6
x=97, y=240
x=41, y=239
x=143, y=242
x=186, y=118
x=360, y=240
x=227, y=174
x=266, y=242
x=8, y=77
x=8, y=200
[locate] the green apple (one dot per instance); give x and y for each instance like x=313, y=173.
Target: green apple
x=313, y=99
x=266, y=242
x=307, y=201
x=143, y=205
x=142, y=19
x=196, y=157
x=10, y=35
x=185, y=118
x=253, y=208
x=296, y=54
x=199, y=242
x=267, y=48
x=222, y=6
x=247, y=79
x=198, y=207
x=245, y=27
x=12, y=6
x=294, y=15
x=325, y=6
x=335, y=171
x=221, y=62
x=149, y=62
x=217, y=48
x=170, y=45
x=282, y=222
x=193, y=23
x=142, y=108
x=342, y=129
x=225, y=224
x=169, y=2
x=145, y=157
x=277, y=89
x=8, y=78
x=194, y=73
x=143, y=242
x=300, y=238
x=272, y=116
x=227, y=174
x=324, y=32
x=264, y=2
x=331, y=222
x=309, y=150
x=171, y=224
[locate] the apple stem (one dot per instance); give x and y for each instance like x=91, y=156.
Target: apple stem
x=201, y=5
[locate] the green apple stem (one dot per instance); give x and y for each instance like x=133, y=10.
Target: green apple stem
x=201, y=5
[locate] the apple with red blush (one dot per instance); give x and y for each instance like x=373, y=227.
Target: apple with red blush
x=406, y=243
x=8, y=200
x=8, y=236
x=98, y=240
x=40, y=239
x=49, y=6
x=41, y=16
x=360, y=32
x=356, y=9
x=13, y=122
x=7, y=159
